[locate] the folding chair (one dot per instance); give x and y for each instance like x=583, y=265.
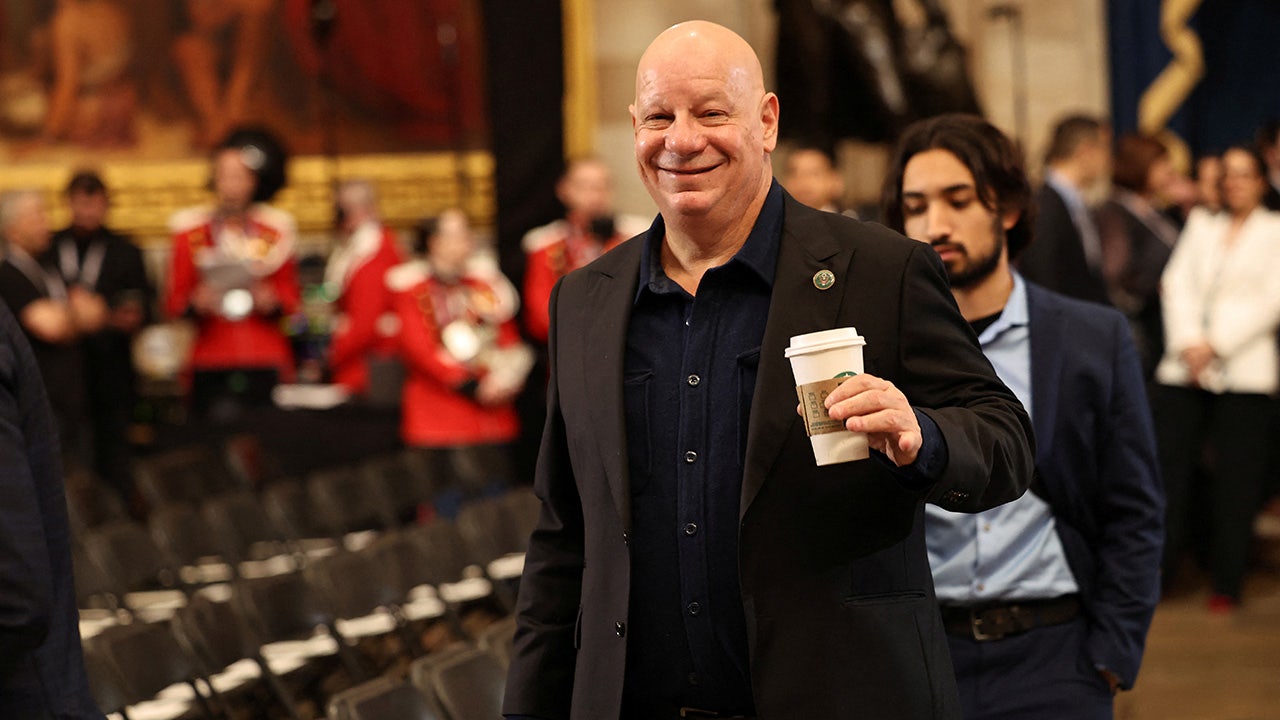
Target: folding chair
x=288, y=506
x=144, y=663
x=382, y=699
x=182, y=532
x=228, y=653
x=344, y=505
x=295, y=622
x=149, y=581
x=467, y=683
x=399, y=490
x=182, y=475
x=246, y=535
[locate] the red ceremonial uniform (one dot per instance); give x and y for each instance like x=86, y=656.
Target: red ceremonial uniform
x=553, y=251
x=481, y=305
x=264, y=253
x=366, y=323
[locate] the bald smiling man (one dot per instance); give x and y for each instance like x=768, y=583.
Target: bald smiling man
x=691, y=559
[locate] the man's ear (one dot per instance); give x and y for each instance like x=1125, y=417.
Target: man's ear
x=1010, y=218
x=768, y=118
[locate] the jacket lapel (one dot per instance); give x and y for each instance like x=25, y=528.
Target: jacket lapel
x=1046, y=365
x=796, y=307
x=609, y=302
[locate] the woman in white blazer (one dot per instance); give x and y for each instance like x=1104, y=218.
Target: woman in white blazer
x=1221, y=367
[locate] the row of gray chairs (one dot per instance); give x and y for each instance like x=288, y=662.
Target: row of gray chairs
x=463, y=682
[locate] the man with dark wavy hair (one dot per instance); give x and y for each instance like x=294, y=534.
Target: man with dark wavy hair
x=1046, y=599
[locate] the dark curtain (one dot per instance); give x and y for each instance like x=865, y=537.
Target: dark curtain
x=525, y=60
x=1240, y=89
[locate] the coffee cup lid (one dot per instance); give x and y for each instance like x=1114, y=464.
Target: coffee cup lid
x=824, y=340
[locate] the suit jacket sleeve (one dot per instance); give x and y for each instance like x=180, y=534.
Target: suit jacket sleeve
x=26, y=589
x=1130, y=513
x=540, y=682
x=987, y=432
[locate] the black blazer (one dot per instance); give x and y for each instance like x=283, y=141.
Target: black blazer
x=1096, y=461
x=1055, y=258
x=835, y=579
x=42, y=672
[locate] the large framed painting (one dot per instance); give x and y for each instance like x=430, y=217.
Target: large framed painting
x=391, y=90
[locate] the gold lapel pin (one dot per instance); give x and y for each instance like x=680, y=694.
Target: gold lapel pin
x=824, y=279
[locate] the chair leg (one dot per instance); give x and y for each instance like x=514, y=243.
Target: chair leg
x=277, y=687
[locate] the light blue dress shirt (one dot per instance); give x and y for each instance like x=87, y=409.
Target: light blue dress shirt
x=1010, y=552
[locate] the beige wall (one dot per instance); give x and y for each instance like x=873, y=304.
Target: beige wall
x=1065, y=50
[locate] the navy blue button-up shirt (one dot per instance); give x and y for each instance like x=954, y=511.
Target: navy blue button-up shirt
x=690, y=371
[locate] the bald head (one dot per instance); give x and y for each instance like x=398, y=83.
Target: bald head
x=702, y=47
x=704, y=130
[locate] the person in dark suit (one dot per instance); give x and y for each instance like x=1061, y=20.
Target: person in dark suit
x=691, y=559
x=1046, y=599
x=90, y=256
x=1067, y=254
x=42, y=671
x=1137, y=240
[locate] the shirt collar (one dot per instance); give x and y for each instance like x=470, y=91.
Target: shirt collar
x=1069, y=192
x=1014, y=315
x=759, y=253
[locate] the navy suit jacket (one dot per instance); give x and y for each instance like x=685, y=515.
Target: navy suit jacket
x=1096, y=467
x=42, y=671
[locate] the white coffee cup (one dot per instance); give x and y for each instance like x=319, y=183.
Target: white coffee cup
x=820, y=362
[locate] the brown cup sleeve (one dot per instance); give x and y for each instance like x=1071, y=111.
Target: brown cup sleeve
x=812, y=395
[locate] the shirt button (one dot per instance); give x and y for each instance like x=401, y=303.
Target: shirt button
x=693, y=380
x=981, y=587
x=691, y=529
x=694, y=608
x=620, y=628
x=626, y=538
x=691, y=457
x=986, y=527
x=693, y=678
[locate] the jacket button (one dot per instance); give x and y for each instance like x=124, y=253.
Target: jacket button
x=694, y=608
x=691, y=529
x=691, y=457
x=620, y=628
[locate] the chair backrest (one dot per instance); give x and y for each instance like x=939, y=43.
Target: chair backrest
x=343, y=503
x=467, y=683
x=251, y=464
x=282, y=607
x=241, y=527
x=144, y=657
x=398, y=489
x=499, y=639
x=523, y=509
x=215, y=632
x=91, y=502
x=126, y=552
x=443, y=552
x=287, y=504
x=488, y=529
x=355, y=584
x=186, y=474
x=108, y=689
x=182, y=532
x=382, y=699
x=95, y=588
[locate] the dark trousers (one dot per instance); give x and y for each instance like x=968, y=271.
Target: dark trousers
x=1232, y=433
x=1041, y=674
